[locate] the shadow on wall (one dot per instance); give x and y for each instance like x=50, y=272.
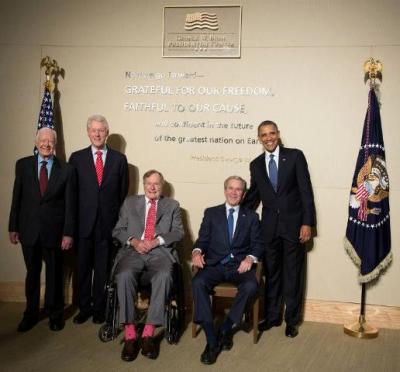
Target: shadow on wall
x=58, y=122
x=117, y=142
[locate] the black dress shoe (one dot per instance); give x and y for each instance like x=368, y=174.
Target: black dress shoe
x=27, y=324
x=149, y=347
x=265, y=325
x=82, y=317
x=98, y=318
x=56, y=324
x=210, y=354
x=225, y=340
x=130, y=350
x=291, y=331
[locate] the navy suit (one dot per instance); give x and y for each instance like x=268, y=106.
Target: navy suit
x=214, y=243
x=41, y=222
x=283, y=214
x=98, y=208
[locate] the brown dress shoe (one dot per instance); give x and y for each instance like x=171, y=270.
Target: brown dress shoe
x=149, y=347
x=130, y=350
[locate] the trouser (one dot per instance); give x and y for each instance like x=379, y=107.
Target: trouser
x=157, y=266
x=284, y=268
x=206, y=279
x=54, y=294
x=93, y=269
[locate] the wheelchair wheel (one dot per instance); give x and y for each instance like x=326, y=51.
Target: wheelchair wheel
x=106, y=333
x=172, y=337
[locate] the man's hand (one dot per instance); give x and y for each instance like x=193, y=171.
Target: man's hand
x=139, y=246
x=245, y=265
x=66, y=242
x=198, y=259
x=151, y=244
x=305, y=234
x=14, y=237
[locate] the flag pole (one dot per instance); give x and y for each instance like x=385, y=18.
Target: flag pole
x=361, y=329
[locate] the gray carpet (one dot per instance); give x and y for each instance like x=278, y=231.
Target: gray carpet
x=319, y=347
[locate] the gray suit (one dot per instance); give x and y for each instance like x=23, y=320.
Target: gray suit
x=157, y=264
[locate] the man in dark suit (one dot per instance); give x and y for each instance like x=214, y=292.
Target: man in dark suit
x=42, y=219
x=148, y=227
x=102, y=187
x=225, y=251
x=281, y=181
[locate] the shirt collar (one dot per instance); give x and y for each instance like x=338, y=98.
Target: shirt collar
x=94, y=149
x=275, y=153
x=148, y=200
x=228, y=206
x=49, y=160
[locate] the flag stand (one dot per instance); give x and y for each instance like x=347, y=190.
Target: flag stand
x=361, y=329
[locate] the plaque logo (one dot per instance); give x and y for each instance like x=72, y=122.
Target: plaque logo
x=201, y=20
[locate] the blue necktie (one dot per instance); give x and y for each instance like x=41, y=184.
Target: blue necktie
x=230, y=224
x=273, y=172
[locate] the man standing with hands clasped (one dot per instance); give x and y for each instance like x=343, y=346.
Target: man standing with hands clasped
x=42, y=219
x=102, y=187
x=281, y=181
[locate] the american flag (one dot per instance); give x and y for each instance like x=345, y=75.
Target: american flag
x=45, y=114
x=368, y=239
x=46, y=111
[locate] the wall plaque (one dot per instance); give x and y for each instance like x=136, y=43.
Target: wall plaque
x=202, y=31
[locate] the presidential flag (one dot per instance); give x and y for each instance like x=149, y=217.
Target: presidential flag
x=367, y=238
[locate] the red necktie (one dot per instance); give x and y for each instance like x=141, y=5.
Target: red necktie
x=99, y=167
x=150, y=221
x=43, y=179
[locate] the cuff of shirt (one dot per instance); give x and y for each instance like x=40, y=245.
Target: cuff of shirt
x=161, y=240
x=197, y=250
x=255, y=259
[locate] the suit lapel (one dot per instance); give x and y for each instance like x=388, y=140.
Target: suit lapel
x=90, y=166
x=282, y=168
x=262, y=165
x=160, y=209
x=141, y=212
x=35, y=175
x=224, y=223
x=54, y=176
x=108, y=164
x=239, y=223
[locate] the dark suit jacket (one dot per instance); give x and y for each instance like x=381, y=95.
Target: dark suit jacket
x=100, y=202
x=292, y=205
x=213, y=237
x=131, y=222
x=51, y=216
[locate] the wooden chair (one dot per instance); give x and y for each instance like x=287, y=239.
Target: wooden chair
x=230, y=291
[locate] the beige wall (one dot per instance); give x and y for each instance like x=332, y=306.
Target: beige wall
x=310, y=53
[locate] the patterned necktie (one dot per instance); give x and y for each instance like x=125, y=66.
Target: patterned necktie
x=43, y=179
x=99, y=167
x=273, y=172
x=150, y=229
x=230, y=224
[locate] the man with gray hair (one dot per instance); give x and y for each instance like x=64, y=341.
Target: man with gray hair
x=228, y=245
x=102, y=186
x=42, y=219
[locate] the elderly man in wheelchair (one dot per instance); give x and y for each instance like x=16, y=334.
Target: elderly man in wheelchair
x=149, y=225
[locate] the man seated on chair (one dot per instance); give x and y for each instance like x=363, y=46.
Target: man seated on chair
x=148, y=226
x=225, y=251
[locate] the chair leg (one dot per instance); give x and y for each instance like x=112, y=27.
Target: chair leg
x=256, y=308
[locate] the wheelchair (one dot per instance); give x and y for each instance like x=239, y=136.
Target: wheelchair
x=174, y=308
